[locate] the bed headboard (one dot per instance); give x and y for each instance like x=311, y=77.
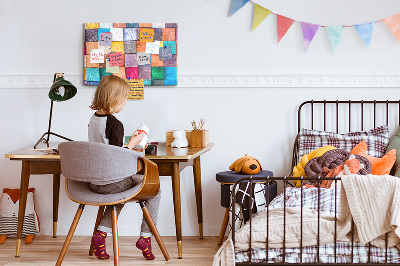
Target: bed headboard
x=347, y=116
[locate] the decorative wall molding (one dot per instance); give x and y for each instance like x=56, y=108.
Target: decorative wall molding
x=242, y=81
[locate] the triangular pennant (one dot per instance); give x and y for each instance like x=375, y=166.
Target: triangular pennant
x=393, y=23
x=309, y=31
x=335, y=35
x=365, y=32
x=260, y=13
x=283, y=25
x=236, y=5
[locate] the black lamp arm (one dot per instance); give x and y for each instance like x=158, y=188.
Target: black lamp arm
x=45, y=140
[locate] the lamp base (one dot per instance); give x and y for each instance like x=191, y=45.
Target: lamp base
x=45, y=139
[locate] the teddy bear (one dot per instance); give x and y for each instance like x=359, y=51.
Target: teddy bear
x=180, y=140
x=9, y=205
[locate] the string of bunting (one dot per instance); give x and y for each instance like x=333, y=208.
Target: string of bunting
x=309, y=30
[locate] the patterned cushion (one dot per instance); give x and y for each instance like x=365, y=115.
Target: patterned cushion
x=377, y=139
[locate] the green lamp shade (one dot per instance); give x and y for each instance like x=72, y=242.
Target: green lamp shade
x=62, y=90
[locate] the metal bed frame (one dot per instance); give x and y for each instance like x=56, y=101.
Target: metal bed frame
x=338, y=106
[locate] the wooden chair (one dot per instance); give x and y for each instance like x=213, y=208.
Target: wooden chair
x=83, y=162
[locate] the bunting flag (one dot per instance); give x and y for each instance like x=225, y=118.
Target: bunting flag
x=260, y=13
x=393, y=23
x=236, y=5
x=309, y=31
x=335, y=35
x=365, y=32
x=283, y=25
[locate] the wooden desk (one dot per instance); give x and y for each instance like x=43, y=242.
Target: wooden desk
x=170, y=162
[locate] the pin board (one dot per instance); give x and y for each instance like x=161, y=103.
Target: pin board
x=146, y=51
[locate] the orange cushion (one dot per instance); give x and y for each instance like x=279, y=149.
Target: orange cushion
x=380, y=166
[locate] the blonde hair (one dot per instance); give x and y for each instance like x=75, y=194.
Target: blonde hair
x=109, y=93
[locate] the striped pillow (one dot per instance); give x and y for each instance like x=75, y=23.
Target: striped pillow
x=377, y=140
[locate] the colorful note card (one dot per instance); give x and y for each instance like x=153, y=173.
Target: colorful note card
x=137, y=89
x=105, y=39
x=116, y=59
x=153, y=47
x=146, y=35
x=111, y=69
x=165, y=52
x=143, y=59
x=97, y=56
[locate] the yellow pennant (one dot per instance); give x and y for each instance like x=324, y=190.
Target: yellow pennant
x=260, y=13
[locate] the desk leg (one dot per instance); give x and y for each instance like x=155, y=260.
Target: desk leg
x=197, y=187
x=25, y=175
x=56, y=199
x=176, y=190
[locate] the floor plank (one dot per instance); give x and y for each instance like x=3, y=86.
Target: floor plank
x=44, y=251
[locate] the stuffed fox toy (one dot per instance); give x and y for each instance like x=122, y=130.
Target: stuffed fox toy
x=246, y=165
x=9, y=205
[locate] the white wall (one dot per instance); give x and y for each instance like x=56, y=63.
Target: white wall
x=41, y=39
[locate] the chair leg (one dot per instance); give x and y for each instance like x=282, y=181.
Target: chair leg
x=70, y=234
x=96, y=225
x=223, y=227
x=154, y=230
x=115, y=234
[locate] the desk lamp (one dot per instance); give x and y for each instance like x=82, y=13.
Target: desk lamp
x=61, y=90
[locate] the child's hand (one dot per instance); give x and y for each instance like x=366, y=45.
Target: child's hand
x=135, y=139
x=142, y=150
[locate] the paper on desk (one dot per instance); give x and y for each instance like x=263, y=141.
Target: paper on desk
x=49, y=150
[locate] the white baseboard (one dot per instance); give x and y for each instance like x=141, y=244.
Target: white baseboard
x=129, y=231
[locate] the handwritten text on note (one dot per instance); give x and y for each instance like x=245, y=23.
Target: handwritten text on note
x=153, y=47
x=143, y=59
x=97, y=56
x=116, y=59
x=146, y=35
x=137, y=89
x=105, y=39
x=165, y=52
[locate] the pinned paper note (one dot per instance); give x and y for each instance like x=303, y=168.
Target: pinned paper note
x=146, y=35
x=143, y=59
x=110, y=69
x=116, y=59
x=105, y=39
x=97, y=56
x=153, y=47
x=165, y=52
x=137, y=89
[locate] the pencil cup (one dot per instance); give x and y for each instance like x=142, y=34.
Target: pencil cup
x=200, y=138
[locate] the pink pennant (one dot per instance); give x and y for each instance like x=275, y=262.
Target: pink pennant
x=309, y=31
x=283, y=25
x=393, y=23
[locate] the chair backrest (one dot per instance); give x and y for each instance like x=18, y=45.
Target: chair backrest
x=93, y=162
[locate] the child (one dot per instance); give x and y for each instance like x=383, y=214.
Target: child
x=110, y=98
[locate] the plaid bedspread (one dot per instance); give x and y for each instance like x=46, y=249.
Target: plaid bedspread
x=326, y=252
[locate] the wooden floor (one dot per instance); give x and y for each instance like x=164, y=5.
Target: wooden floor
x=44, y=250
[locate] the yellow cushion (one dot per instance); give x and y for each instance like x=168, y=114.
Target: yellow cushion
x=298, y=170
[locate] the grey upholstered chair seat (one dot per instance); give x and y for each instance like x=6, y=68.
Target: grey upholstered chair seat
x=80, y=192
x=83, y=162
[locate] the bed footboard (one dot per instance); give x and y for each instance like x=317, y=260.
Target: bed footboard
x=303, y=257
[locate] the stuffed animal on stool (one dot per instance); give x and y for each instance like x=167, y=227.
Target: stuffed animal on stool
x=246, y=165
x=9, y=205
